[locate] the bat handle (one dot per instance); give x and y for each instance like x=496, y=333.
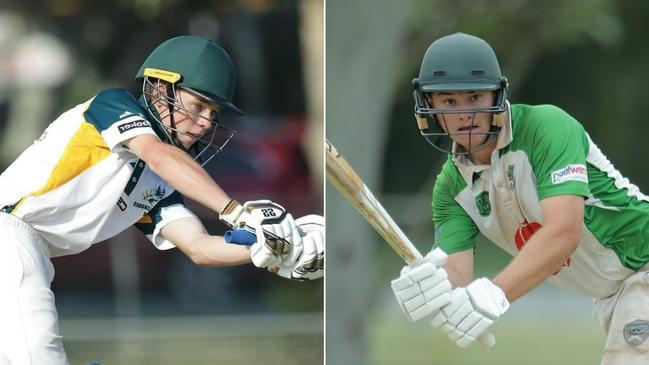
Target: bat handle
x=487, y=340
x=240, y=237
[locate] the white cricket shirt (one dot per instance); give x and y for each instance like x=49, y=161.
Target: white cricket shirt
x=78, y=184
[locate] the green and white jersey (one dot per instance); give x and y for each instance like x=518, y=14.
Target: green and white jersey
x=78, y=184
x=543, y=152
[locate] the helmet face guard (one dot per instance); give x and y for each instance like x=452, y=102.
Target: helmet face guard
x=433, y=126
x=205, y=147
x=198, y=66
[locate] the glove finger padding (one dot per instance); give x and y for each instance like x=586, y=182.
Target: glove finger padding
x=423, y=289
x=310, y=264
x=471, y=311
x=412, y=274
x=261, y=255
x=280, y=238
x=436, y=257
x=293, y=249
x=310, y=223
x=312, y=229
x=277, y=244
x=313, y=255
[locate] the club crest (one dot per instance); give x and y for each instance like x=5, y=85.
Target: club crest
x=483, y=204
x=636, y=332
x=153, y=195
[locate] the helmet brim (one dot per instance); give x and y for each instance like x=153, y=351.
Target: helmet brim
x=455, y=86
x=213, y=98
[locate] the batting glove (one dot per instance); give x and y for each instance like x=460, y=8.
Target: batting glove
x=260, y=213
x=276, y=243
x=471, y=311
x=251, y=214
x=304, y=260
x=310, y=264
x=275, y=229
x=422, y=290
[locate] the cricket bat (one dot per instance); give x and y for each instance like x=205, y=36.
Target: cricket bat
x=347, y=181
x=351, y=186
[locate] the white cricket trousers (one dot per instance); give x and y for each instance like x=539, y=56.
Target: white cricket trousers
x=625, y=319
x=29, y=327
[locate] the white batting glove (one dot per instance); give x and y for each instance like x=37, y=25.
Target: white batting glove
x=275, y=229
x=309, y=265
x=422, y=290
x=277, y=244
x=305, y=258
x=471, y=312
x=257, y=213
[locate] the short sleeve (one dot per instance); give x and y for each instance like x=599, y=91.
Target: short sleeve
x=118, y=117
x=558, y=153
x=167, y=210
x=454, y=229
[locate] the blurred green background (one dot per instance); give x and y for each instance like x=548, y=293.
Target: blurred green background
x=123, y=301
x=588, y=57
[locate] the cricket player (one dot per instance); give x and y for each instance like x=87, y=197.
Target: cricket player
x=115, y=161
x=532, y=181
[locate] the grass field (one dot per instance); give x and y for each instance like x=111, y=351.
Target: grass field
x=241, y=339
x=548, y=327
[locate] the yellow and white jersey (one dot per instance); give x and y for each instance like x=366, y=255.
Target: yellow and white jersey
x=78, y=184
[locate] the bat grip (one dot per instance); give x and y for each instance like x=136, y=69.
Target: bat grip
x=487, y=340
x=240, y=237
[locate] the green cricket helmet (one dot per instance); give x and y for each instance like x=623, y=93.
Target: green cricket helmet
x=201, y=67
x=458, y=63
x=194, y=63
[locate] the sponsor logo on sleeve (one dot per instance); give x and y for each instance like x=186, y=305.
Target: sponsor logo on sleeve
x=139, y=123
x=570, y=173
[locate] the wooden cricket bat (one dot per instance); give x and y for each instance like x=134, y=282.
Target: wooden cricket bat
x=347, y=181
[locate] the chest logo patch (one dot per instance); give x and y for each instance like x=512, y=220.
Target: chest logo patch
x=636, y=332
x=483, y=204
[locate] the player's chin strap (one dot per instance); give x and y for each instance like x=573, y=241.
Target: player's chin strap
x=498, y=121
x=492, y=137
